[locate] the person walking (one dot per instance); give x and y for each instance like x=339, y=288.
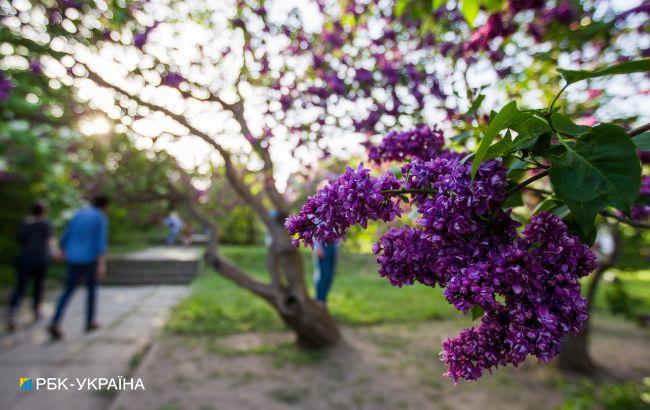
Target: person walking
x=84, y=245
x=174, y=226
x=325, y=268
x=37, y=246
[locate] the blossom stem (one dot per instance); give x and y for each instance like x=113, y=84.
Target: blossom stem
x=529, y=181
x=408, y=191
x=640, y=130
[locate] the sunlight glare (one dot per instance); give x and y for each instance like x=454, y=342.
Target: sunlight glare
x=95, y=126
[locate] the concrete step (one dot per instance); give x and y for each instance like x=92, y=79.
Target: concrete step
x=160, y=265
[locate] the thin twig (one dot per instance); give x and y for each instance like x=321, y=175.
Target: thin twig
x=527, y=182
x=631, y=222
x=409, y=191
x=640, y=130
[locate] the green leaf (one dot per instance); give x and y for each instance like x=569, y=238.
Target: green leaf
x=587, y=238
x=400, y=7
x=638, y=66
x=642, y=141
x=513, y=201
x=469, y=10
x=564, y=124
x=435, y=4
x=397, y=171
x=546, y=205
x=493, y=5
x=500, y=148
x=499, y=122
x=561, y=211
x=477, y=312
x=475, y=105
x=601, y=169
x=529, y=127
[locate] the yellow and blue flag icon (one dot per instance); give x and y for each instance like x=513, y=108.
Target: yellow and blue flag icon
x=26, y=383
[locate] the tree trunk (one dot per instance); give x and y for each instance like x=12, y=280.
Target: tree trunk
x=575, y=355
x=311, y=322
x=287, y=291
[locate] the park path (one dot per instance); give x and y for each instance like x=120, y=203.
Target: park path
x=130, y=316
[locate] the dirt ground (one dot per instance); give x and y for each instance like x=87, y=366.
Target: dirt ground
x=376, y=367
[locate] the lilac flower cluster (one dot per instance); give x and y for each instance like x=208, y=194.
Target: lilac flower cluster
x=355, y=198
x=526, y=285
x=405, y=256
x=537, y=277
x=5, y=87
x=422, y=142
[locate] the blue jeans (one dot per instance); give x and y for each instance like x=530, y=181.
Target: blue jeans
x=171, y=237
x=76, y=271
x=325, y=272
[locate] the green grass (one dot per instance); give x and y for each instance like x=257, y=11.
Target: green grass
x=637, y=285
x=358, y=297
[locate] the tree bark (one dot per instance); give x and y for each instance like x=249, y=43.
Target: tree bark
x=310, y=321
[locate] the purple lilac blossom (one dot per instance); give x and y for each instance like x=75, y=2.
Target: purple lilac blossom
x=5, y=87
x=537, y=275
x=355, y=198
x=516, y=6
x=172, y=79
x=526, y=284
x=405, y=256
x=422, y=142
x=35, y=66
x=494, y=27
x=642, y=212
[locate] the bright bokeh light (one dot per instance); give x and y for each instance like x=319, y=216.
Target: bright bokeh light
x=97, y=125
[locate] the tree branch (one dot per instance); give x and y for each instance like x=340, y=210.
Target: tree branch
x=223, y=265
x=630, y=222
x=231, y=173
x=639, y=130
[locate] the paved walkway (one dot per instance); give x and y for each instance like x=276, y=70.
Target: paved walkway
x=162, y=254
x=130, y=318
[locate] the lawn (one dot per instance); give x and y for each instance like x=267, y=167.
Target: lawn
x=358, y=297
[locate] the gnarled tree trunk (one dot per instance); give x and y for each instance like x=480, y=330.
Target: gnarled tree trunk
x=286, y=293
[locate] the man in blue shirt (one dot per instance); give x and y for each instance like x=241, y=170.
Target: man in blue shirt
x=84, y=245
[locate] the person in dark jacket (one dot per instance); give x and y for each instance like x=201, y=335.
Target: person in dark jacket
x=36, y=242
